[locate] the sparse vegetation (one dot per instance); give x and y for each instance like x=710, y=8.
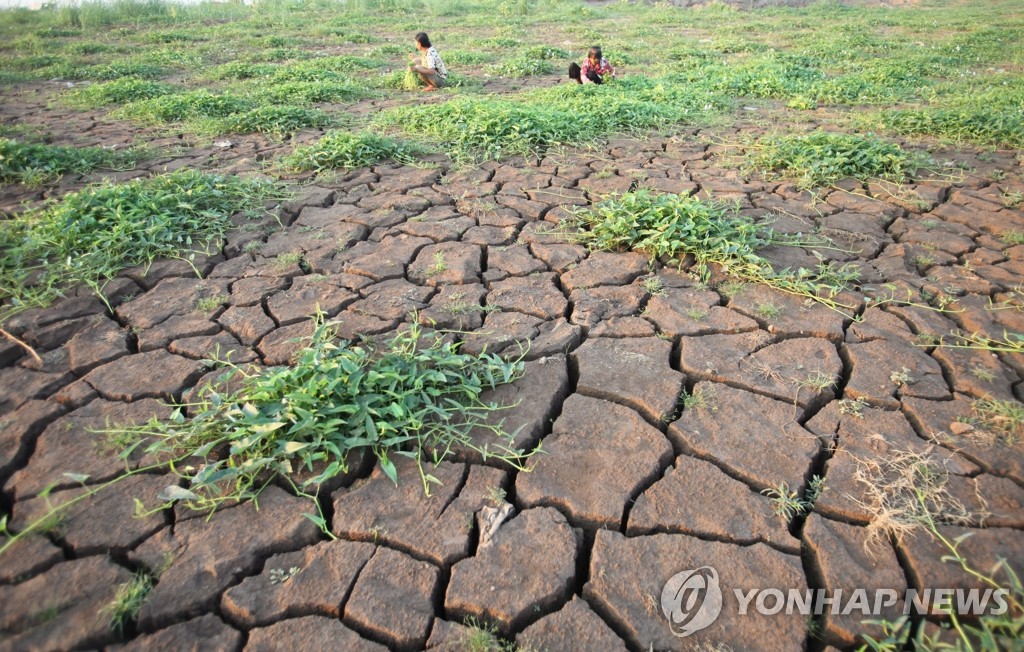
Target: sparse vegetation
x=35, y=164
x=89, y=236
x=128, y=600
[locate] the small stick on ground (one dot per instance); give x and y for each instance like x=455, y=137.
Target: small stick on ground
x=31, y=351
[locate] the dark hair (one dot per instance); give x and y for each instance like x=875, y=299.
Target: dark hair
x=596, y=50
x=423, y=39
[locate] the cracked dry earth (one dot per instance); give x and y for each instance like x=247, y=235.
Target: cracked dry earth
x=632, y=488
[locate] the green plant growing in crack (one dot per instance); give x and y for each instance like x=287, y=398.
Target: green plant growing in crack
x=767, y=310
x=128, y=600
x=785, y=502
x=286, y=260
x=822, y=158
x=702, y=398
x=994, y=420
x=669, y=226
x=496, y=496
x=210, y=303
x=35, y=164
x=654, y=286
x=853, y=406
x=438, y=267
x=697, y=314
x=902, y=378
x=281, y=575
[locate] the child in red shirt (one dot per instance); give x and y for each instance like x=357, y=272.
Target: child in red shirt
x=595, y=68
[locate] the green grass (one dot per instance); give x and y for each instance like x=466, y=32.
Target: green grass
x=822, y=158
x=119, y=92
x=35, y=163
x=473, y=128
x=522, y=66
x=89, y=236
x=414, y=396
x=346, y=150
x=984, y=126
x=128, y=600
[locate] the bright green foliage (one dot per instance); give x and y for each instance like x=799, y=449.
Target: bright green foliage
x=185, y=106
x=240, y=70
x=466, y=57
x=307, y=92
x=405, y=80
x=414, y=395
x=523, y=66
x=345, y=150
x=672, y=226
x=120, y=91
x=103, y=72
x=272, y=119
x=821, y=158
x=33, y=163
x=546, y=52
x=977, y=125
x=89, y=236
x=475, y=128
x=337, y=68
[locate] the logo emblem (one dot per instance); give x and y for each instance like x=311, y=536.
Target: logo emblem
x=691, y=600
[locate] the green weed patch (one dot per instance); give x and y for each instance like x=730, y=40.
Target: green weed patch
x=89, y=236
x=275, y=119
x=415, y=396
x=120, y=91
x=185, y=106
x=522, y=66
x=974, y=125
x=306, y=92
x=475, y=128
x=345, y=150
x=34, y=163
x=669, y=227
x=822, y=158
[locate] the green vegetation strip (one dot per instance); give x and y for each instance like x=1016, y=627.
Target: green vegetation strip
x=345, y=150
x=822, y=158
x=415, y=396
x=477, y=128
x=672, y=226
x=36, y=163
x=89, y=236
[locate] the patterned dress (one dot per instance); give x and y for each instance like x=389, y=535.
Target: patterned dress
x=431, y=59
